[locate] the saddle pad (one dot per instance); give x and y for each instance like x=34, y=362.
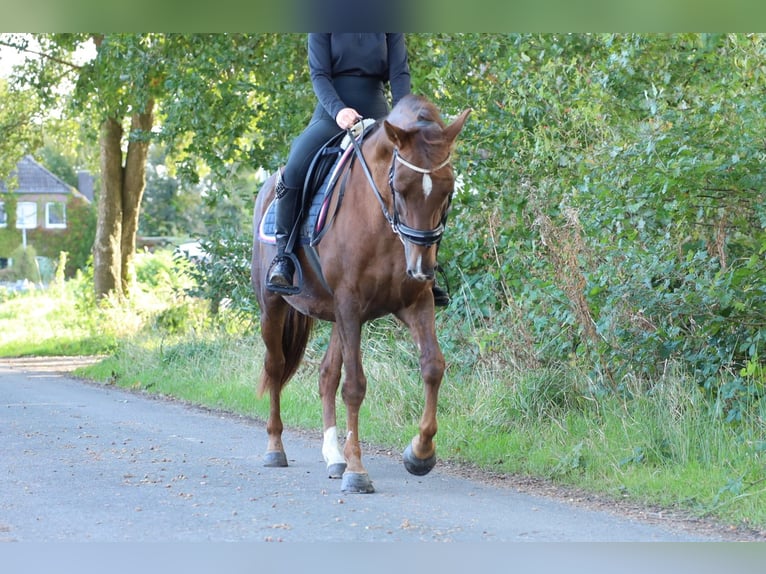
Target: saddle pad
x=309, y=223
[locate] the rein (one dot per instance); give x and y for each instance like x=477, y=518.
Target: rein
x=404, y=232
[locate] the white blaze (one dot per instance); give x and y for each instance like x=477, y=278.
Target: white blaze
x=427, y=184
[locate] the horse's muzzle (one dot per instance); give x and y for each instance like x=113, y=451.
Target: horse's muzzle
x=419, y=275
x=421, y=263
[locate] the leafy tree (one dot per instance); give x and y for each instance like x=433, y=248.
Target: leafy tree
x=20, y=129
x=208, y=96
x=169, y=208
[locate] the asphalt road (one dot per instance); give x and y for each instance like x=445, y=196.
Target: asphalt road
x=85, y=462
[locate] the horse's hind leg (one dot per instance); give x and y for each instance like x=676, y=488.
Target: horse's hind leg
x=275, y=451
x=272, y=326
x=329, y=379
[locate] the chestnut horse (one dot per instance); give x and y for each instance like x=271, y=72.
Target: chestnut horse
x=377, y=258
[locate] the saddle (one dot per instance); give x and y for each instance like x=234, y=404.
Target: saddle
x=326, y=167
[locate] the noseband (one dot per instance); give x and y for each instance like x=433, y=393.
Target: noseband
x=422, y=237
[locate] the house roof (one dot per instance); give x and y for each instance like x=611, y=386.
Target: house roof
x=34, y=178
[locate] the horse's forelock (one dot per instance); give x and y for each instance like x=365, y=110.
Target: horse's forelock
x=430, y=140
x=415, y=112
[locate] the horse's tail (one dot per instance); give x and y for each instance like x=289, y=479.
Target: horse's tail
x=295, y=337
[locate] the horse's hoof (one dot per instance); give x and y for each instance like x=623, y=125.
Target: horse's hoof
x=275, y=458
x=336, y=470
x=415, y=465
x=356, y=483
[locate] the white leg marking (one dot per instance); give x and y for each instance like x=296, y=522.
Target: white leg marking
x=330, y=449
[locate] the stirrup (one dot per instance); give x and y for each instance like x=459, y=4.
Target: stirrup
x=285, y=289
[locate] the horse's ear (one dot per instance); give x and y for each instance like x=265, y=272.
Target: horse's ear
x=451, y=131
x=396, y=134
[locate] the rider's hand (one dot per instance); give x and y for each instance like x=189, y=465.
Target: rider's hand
x=347, y=117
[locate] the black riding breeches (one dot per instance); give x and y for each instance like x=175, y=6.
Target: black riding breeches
x=366, y=95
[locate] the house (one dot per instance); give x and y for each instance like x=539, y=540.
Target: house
x=40, y=209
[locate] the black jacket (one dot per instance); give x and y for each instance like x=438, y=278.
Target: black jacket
x=373, y=55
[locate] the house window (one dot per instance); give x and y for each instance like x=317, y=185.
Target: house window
x=26, y=215
x=55, y=215
x=3, y=216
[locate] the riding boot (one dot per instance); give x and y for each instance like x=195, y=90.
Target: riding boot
x=441, y=297
x=282, y=268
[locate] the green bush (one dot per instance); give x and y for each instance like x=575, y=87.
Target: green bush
x=611, y=214
x=222, y=276
x=25, y=264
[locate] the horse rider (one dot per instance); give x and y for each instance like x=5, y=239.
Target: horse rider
x=349, y=72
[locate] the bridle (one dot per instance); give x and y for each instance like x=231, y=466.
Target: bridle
x=421, y=237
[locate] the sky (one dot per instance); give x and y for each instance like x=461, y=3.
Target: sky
x=10, y=57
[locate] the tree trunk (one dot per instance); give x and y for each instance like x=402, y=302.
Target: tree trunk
x=134, y=182
x=107, y=272
x=122, y=189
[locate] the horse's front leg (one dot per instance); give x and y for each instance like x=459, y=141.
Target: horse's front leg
x=329, y=380
x=420, y=454
x=349, y=327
